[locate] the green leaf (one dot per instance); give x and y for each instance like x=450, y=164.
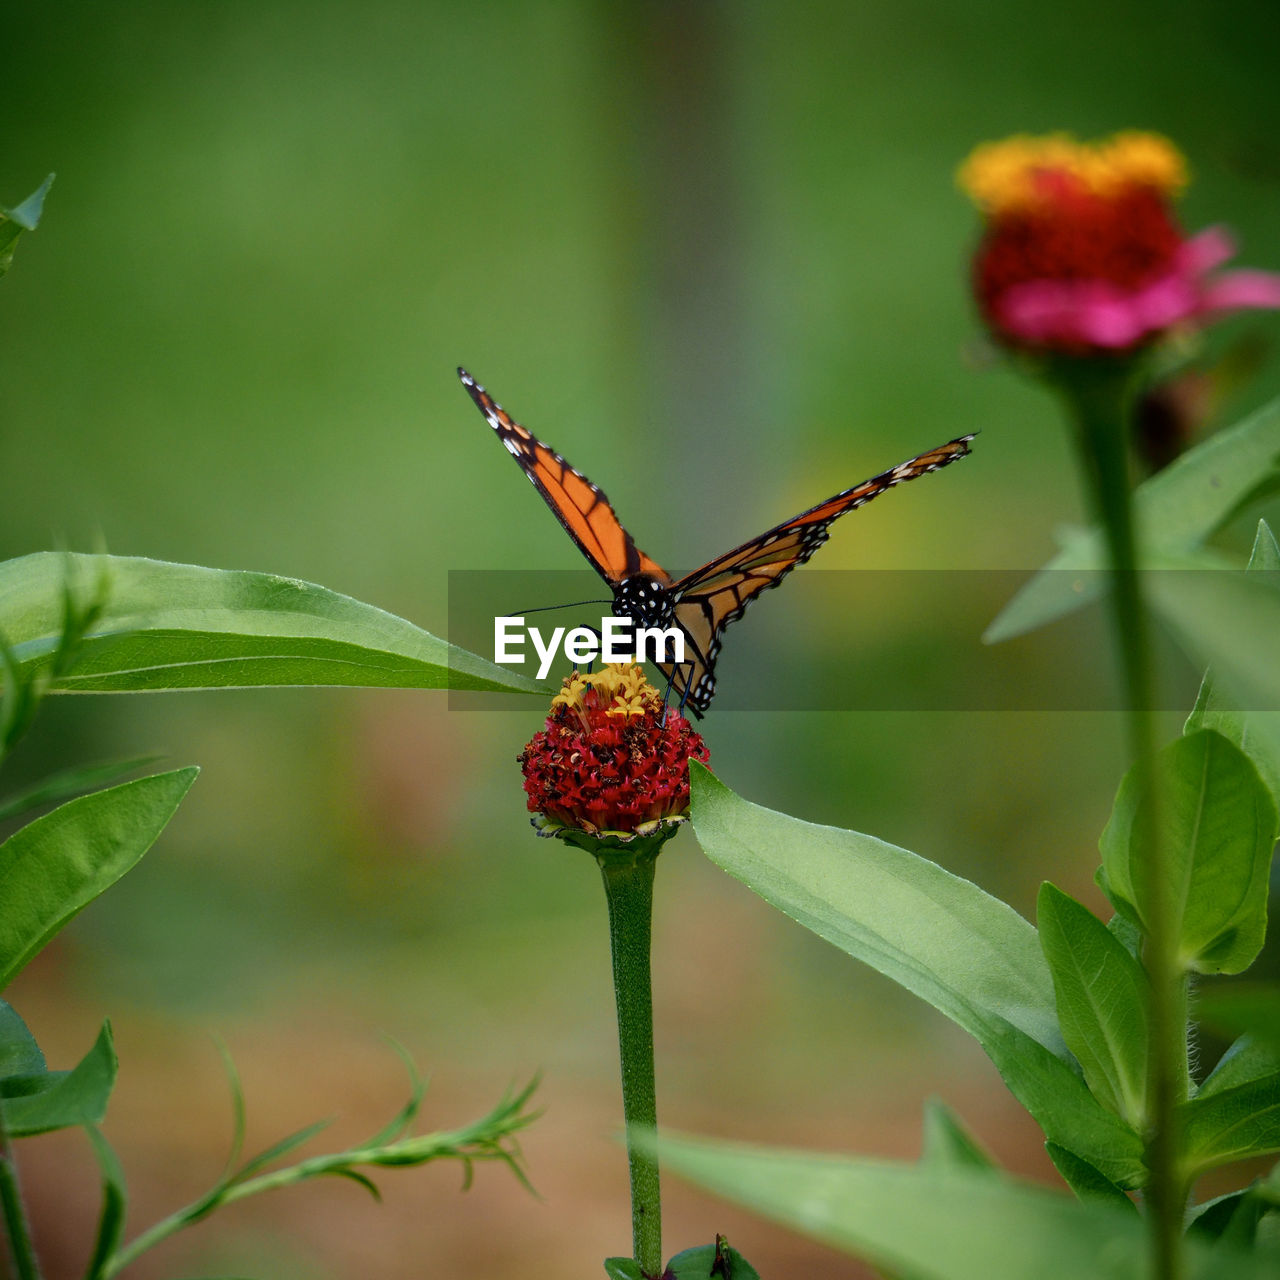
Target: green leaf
x=1228, y=619
x=62, y=1099
x=115, y=1201
x=1257, y=735
x=623, y=1269
x=719, y=1261
x=19, y=1053
x=27, y=214
x=948, y=1143
x=1252, y=1008
x=1175, y=511
x=1227, y=1217
x=968, y=954
x=1219, y=829
x=25, y=217
x=936, y=1224
x=1086, y=1181
x=176, y=626
x=1102, y=1001
x=1232, y=1124
x=58, y=864
x=1245, y=1060
x=70, y=782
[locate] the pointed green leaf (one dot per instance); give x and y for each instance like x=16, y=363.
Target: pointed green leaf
x=622, y=1269
x=114, y=1203
x=1257, y=735
x=1247, y=1059
x=70, y=782
x=968, y=954
x=936, y=1224
x=25, y=217
x=1219, y=829
x=1102, y=1001
x=56, y=865
x=177, y=626
x=27, y=214
x=1232, y=1124
x=1210, y=1220
x=19, y=1053
x=709, y=1262
x=1228, y=619
x=948, y=1143
x=62, y=1099
x=1086, y=1181
x=1252, y=1008
x=1175, y=511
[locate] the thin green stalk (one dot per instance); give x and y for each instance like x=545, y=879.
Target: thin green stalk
x=628, y=885
x=490, y=1138
x=18, y=1233
x=1101, y=398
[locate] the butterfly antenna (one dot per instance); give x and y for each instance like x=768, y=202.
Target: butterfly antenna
x=547, y=608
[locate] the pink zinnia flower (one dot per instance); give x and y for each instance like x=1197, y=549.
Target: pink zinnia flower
x=1082, y=251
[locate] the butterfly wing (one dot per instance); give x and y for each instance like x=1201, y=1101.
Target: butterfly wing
x=712, y=597
x=580, y=506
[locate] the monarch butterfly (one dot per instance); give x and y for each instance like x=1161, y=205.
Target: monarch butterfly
x=702, y=603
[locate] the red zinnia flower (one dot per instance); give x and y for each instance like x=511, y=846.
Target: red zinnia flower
x=1082, y=250
x=608, y=761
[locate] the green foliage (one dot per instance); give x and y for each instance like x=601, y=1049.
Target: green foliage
x=1232, y=1124
x=115, y=1199
x=1215, y=710
x=491, y=1138
x=1219, y=829
x=937, y=1224
x=1102, y=1001
x=719, y=1261
x=23, y=217
x=948, y=1143
x=19, y=1053
x=1229, y=620
x=1176, y=510
x=1086, y=1181
x=1253, y=1009
x=622, y=1269
x=42, y=1101
x=175, y=626
x=55, y=866
x=69, y=782
x=1244, y=1061
x=969, y=955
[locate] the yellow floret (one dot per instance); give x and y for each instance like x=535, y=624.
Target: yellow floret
x=1008, y=175
x=622, y=685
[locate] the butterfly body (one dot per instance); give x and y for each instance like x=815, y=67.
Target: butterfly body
x=702, y=603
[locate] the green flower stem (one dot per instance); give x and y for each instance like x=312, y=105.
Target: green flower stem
x=628, y=885
x=1100, y=396
x=21, y=1251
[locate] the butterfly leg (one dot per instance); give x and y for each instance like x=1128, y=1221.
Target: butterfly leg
x=688, y=668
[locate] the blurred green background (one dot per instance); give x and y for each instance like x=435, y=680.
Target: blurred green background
x=714, y=253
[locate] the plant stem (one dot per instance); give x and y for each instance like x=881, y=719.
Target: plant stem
x=628, y=886
x=21, y=1250
x=1101, y=396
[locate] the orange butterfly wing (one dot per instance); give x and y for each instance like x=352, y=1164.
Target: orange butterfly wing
x=579, y=505
x=711, y=598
